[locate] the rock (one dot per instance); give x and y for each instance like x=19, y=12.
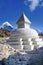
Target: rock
x=10, y=56
x=6, y=50
x=4, y=32
x=25, y=59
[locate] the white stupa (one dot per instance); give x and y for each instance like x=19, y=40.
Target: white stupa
x=24, y=37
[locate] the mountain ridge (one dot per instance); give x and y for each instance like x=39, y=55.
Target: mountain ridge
x=7, y=25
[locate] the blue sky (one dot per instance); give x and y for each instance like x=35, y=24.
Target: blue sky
x=11, y=10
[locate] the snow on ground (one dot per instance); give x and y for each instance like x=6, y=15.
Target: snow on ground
x=10, y=56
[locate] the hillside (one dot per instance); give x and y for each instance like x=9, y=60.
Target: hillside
x=4, y=32
x=10, y=56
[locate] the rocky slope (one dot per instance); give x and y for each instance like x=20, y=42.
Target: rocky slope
x=5, y=51
x=10, y=56
x=34, y=58
x=4, y=32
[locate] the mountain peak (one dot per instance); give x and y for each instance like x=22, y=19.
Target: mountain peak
x=7, y=24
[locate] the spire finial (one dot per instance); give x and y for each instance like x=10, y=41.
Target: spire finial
x=23, y=13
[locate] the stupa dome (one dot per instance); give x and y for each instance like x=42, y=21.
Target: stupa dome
x=30, y=33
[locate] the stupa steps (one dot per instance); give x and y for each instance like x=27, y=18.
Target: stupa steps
x=15, y=45
x=13, y=40
x=25, y=44
x=23, y=47
x=12, y=43
x=19, y=39
x=19, y=36
x=20, y=42
x=25, y=39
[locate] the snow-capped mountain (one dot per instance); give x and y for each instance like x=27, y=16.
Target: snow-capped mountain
x=7, y=25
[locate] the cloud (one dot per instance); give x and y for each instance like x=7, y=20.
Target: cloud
x=33, y=4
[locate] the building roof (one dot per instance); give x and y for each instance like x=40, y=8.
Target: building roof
x=24, y=19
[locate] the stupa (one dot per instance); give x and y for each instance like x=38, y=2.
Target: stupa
x=24, y=37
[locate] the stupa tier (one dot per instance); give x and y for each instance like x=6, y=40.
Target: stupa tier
x=24, y=37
